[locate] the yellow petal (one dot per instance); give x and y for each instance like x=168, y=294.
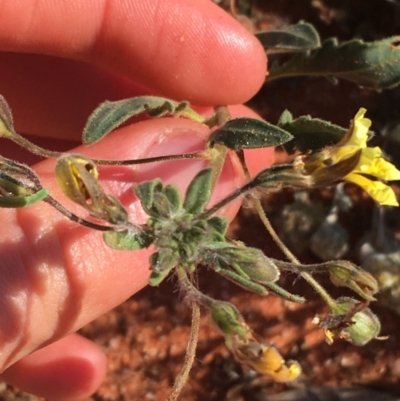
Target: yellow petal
x=359, y=134
x=343, y=152
x=385, y=170
x=270, y=362
x=378, y=191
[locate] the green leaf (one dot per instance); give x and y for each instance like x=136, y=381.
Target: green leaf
x=294, y=38
x=128, y=240
x=174, y=198
x=220, y=224
x=373, y=65
x=278, y=290
x=156, y=278
x=309, y=134
x=161, y=265
x=145, y=192
x=249, y=133
x=240, y=280
x=198, y=192
x=110, y=115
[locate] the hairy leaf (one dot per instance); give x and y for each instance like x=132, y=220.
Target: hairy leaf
x=374, y=65
x=249, y=133
x=145, y=192
x=173, y=196
x=309, y=133
x=110, y=115
x=293, y=38
x=161, y=265
x=128, y=240
x=198, y=192
x=219, y=224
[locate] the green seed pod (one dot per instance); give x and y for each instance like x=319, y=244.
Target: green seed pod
x=366, y=325
x=350, y=321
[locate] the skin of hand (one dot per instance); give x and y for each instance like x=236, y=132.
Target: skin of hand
x=58, y=60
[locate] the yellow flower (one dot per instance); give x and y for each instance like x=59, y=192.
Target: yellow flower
x=369, y=163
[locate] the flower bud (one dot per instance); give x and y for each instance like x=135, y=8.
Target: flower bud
x=250, y=261
x=229, y=320
x=19, y=185
x=346, y=274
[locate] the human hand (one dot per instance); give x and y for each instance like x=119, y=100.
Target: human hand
x=59, y=61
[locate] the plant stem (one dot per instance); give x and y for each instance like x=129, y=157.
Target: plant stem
x=73, y=217
x=192, y=155
x=220, y=151
x=25, y=143
x=306, y=276
x=20, y=140
x=226, y=200
x=190, y=354
x=289, y=255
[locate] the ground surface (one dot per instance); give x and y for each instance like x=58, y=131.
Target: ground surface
x=145, y=338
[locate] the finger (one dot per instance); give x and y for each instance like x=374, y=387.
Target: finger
x=57, y=276
x=69, y=369
x=54, y=97
x=185, y=49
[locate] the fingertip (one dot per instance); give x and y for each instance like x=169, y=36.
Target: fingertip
x=67, y=370
x=209, y=57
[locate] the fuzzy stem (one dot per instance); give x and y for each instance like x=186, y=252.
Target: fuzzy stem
x=289, y=255
x=20, y=140
x=192, y=155
x=190, y=354
x=25, y=143
x=306, y=276
x=226, y=200
x=220, y=151
x=73, y=217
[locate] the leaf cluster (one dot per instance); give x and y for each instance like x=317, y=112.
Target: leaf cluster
x=186, y=236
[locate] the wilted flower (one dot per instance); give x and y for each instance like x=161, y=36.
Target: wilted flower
x=266, y=359
x=77, y=177
x=260, y=356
